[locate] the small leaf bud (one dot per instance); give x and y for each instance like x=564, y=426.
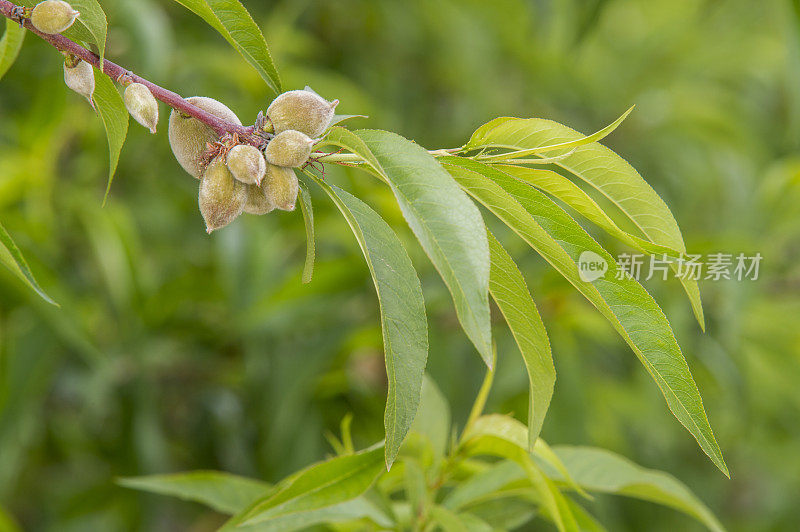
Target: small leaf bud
x=290, y=148
x=142, y=105
x=188, y=136
x=221, y=197
x=53, y=16
x=247, y=164
x=257, y=201
x=301, y=110
x=281, y=187
x=80, y=78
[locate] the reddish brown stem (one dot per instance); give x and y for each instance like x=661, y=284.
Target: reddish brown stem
x=114, y=71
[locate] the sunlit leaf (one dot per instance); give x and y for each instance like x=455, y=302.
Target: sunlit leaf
x=575, y=197
x=10, y=45
x=505, y=437
x=320, y=486
x=621, y=299
x=604, y=170
x=220, y=491
x=594, y=137
x=510, y=292
x=12, y=258
x=433, y=417
x=445, y=221
x=605, y=472
x=403, y=321
x=452, y=522
x=232, y=21
x=112, y=111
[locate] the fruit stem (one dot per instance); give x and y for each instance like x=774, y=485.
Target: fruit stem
x=114, y=71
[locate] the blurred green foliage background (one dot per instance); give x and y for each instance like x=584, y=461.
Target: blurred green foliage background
x=174, y=350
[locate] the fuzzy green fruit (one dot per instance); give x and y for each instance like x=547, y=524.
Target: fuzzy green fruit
x=247, y=164
x=257, y=201
x=142, y=105
x=53, y=16
x=188, y=136
x=80, y=78
x=289, y=148
x=281, y=187
x=301, y=110
x=221, y=198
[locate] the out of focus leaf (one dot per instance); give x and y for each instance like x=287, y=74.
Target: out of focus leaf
x=12, y=258
x=220, y=491
x=510, y=292
x=319, y=486
x=433, y=416
x=620, y=298
x=403, y=321
x=606, y=472
x=445, y=221
x=603, y=169
x=504, y=437
x=232, y=21
x=482, y=484
x=10, y=45
x=453, y=522
x=112, y=111
x=358, y=508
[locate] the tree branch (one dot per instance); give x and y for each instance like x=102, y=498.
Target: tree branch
x=115, y=72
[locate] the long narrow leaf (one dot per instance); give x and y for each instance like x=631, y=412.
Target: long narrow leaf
x=220, y=491
x=308, y=220
x=10, y=45
x=446, y=222
x=575, y=197
x=322, y=485
x=510, y=292
x=620, y=298
x=605, y=472
x=232, y=21
x=604, y=170
x=403, y=321
x=112, y=111
x=11, y=257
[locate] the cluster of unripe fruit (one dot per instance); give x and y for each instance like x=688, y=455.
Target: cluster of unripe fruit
x=234, y=177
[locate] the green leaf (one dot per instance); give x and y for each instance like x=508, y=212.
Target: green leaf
x=478, y=486
x=572, y=195
x=93, y=19
x=605, y=472
x=358, y=508
x=604, y=170
x=11, y=257
x=403, y=321
x=234, y=23
x=452, y=522
x=445, y=221
x=594, y=137
x=505, y=437
x=320, y=486
x=621, y=299
x=10, y=45
x=112, y=111
x=433, y=417
x=308, y=220
x=223, y=492
x=514, y=300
